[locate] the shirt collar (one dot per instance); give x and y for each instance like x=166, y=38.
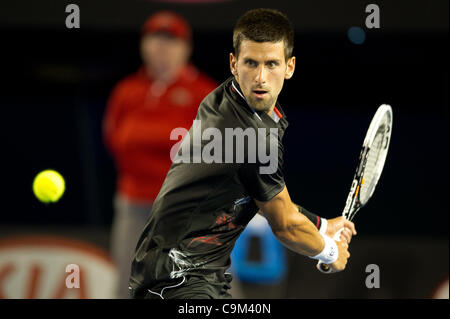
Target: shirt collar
x=276, y=114
x=235, y=87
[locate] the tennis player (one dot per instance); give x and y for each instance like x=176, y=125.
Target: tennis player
x=204, y=205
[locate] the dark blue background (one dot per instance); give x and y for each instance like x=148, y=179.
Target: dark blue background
x=55, y=84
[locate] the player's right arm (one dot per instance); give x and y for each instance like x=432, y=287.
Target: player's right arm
x=296, y=231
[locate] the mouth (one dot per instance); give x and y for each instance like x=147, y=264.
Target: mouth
x=260, y=94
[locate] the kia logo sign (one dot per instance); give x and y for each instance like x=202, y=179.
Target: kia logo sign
x=54, y=267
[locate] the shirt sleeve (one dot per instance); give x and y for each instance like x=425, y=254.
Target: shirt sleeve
x=260, y=184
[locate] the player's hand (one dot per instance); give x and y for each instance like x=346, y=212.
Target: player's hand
x=343, y=256
x=335, y=224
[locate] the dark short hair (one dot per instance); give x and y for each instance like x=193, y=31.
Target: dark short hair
x=264, y=25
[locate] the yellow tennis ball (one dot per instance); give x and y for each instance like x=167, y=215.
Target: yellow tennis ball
x=48, y=186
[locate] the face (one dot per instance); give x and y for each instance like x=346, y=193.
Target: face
x=260, y=69
x=164, y=56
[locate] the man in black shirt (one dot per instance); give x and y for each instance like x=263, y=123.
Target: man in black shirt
x=227, y=168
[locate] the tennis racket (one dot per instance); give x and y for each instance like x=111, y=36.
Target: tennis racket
x=368, y=172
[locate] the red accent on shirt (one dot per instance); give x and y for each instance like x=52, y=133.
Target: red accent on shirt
x=212, y=240
x=277, y=112
x=139, y=118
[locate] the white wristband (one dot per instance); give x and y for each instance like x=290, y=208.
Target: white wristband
x=330, y=252
x=323, y=226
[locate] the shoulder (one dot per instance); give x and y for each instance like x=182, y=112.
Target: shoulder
x=206, y=81
x=220, y=105
x=129, y=82
x=134, y=78
x=198, y=80
x=217, y=98
x=198, y=76
x=130, y=87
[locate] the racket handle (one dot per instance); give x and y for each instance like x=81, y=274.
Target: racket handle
x=325, y=268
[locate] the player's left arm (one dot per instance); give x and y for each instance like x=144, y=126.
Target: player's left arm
x=328, y=227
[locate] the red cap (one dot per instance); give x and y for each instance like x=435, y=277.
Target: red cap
x=169, y=22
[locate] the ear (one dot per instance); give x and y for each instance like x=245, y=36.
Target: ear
x=290, y=68
x=233, y=62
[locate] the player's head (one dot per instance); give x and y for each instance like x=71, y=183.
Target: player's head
x=264, y=25
x=263, y=40
x=165, y=44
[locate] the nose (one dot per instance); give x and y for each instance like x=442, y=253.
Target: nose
x=261, y=74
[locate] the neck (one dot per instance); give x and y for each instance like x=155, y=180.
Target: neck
x=270, y=111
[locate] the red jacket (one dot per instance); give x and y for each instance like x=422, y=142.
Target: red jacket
x=139, y=118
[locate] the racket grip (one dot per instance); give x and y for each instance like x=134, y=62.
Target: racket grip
x=325, y=268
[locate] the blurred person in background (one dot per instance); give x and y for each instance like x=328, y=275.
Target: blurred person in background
x=142, y=110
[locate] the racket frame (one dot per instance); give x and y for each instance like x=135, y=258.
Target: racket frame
x=353, y=202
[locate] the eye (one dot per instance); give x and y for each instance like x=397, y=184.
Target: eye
x=272, y=64
x=251, y=63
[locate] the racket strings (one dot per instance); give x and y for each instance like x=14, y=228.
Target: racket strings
x=374, y=159
x=373, y=156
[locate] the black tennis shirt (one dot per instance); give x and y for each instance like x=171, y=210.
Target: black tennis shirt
x=202, y=208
